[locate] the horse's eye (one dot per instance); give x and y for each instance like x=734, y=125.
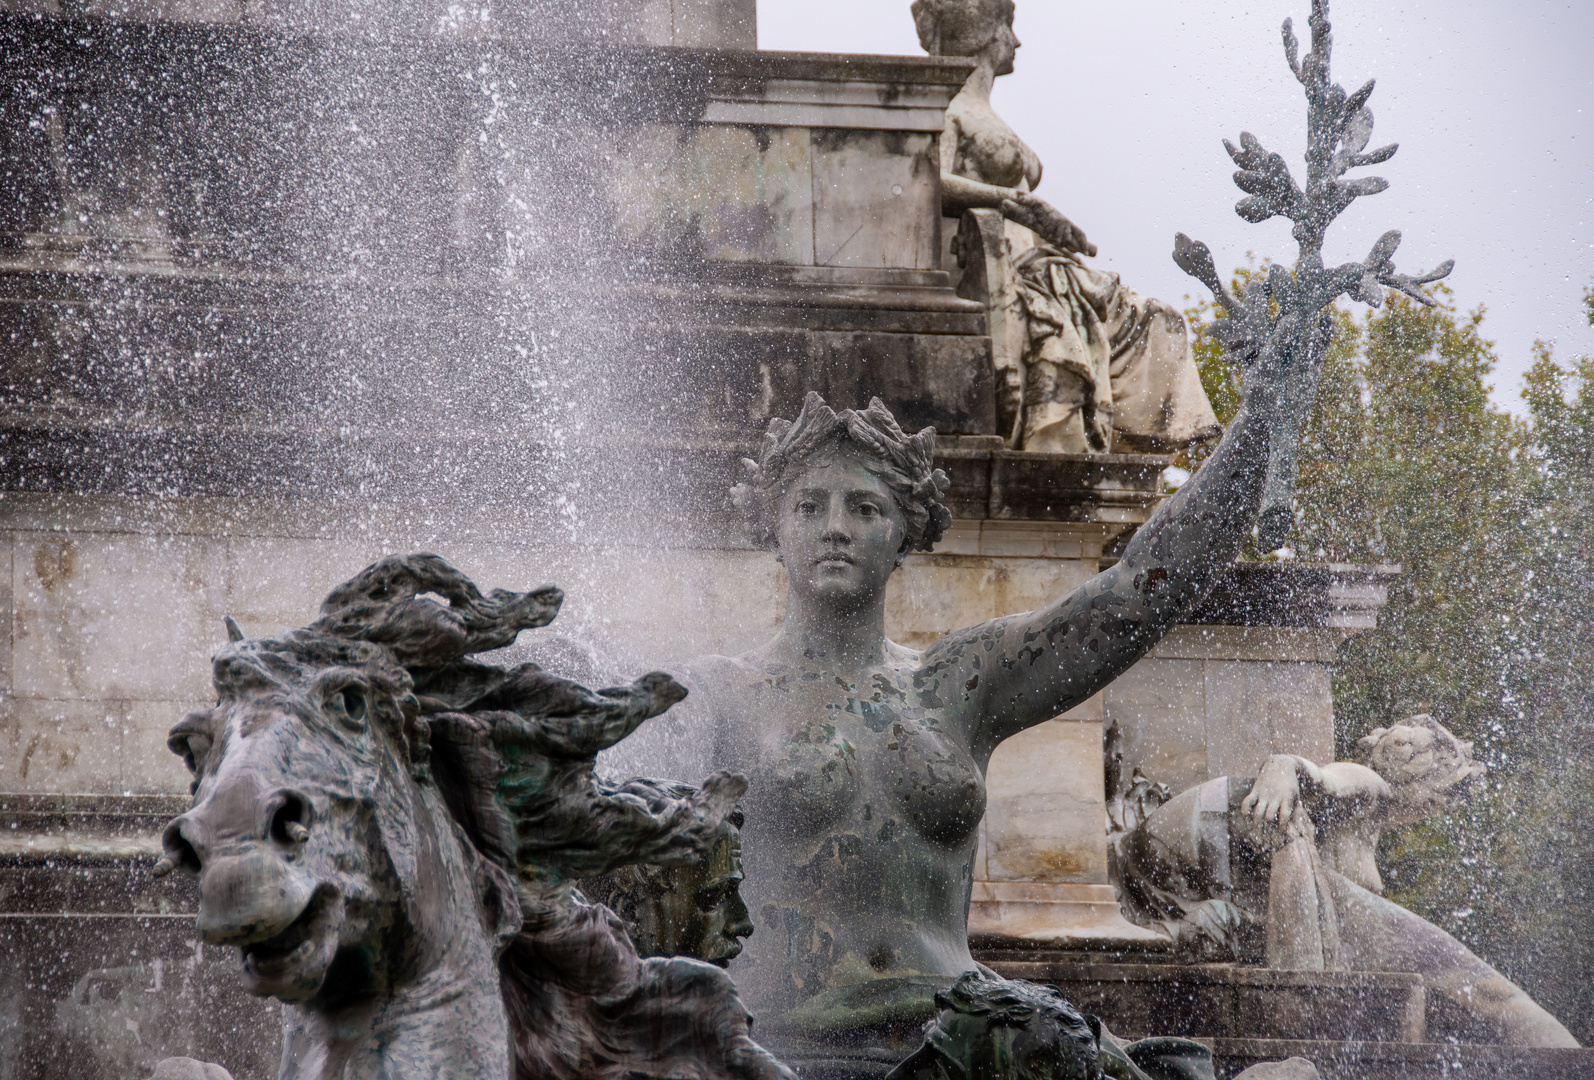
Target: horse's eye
x=353, y=705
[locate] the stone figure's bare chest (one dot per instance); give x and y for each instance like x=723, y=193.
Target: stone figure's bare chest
x=991, y=152
x=828, y=755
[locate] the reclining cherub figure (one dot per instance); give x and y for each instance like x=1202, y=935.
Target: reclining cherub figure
x=1281, y=868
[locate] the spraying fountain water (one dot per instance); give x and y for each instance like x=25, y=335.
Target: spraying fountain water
x=291, y=288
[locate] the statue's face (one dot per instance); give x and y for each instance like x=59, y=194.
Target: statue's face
x=840, y=531
x=719, y=903
x=983, y=30
x=1420, y=765
x=1004, y=47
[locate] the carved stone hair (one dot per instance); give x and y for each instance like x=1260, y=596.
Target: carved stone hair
x=906, y=463
x=959, y=27
x=1420, y=750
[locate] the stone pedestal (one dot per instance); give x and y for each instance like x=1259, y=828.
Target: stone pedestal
x=1250, y=675
x=1041, y=873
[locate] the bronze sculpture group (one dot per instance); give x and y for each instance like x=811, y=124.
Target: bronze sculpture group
x=405, y=842
x=389, y=831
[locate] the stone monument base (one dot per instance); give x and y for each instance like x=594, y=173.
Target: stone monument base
x=1061, y=914
x=1353, y=1025
x=1408, y=1061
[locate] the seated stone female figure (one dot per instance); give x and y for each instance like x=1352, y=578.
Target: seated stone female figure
x=866, y=759
x=1083, y=363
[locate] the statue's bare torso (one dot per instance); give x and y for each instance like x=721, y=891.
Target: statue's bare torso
x=863, y=809
x=979, y=144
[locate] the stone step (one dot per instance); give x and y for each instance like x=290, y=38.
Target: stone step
x=1225, y=1001
x=1409, y=1061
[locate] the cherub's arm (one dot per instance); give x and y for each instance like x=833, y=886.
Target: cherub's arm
x=1344, y=786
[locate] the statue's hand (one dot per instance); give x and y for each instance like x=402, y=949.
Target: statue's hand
x=1044, y=220
x=1273, y=796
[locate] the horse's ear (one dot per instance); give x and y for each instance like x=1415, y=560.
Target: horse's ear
x=233, y=633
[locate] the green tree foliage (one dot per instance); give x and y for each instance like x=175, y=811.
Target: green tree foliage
x=1491, y=519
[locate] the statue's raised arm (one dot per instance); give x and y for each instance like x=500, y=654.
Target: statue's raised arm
x=1021, y=670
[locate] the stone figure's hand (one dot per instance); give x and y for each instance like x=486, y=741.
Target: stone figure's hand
x=1043, y=219
x=1272, y=797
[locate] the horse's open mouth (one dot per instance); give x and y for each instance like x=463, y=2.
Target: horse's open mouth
x=297, y=958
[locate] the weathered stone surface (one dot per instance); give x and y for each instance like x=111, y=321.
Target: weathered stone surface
x=1044, y=798
x=1042, y=878
x=721, y=24
x=940, y=381
x=1014, y=915
x=71, y=745
x=187, y=1068
x=1295, y=1068
x=1256, y=709
x=83, y=610
x=7, y=622
x=732, y=193
x=875, y=199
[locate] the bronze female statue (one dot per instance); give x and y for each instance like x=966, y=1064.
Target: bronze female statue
x=866, y=759
x=1084, y=364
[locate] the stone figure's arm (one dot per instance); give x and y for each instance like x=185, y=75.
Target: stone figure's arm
x=959, y=193
x=1279, y=786
x=1015, y=672
x=1346, y=781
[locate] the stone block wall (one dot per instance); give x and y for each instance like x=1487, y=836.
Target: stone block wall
x=116, y=606
x=1217, y=700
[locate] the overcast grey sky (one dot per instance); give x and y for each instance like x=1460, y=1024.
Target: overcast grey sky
x=1492, y=104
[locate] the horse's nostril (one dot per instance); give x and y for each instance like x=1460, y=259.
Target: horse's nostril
x=178, y=852
x=290, y=823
